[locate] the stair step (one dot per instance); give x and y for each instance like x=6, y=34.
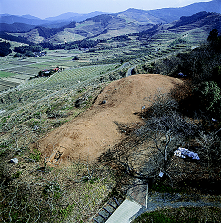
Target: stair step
x=107, y=210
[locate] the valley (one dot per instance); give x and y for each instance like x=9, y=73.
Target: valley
x=135, y=49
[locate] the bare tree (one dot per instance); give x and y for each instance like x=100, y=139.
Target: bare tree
x=207, y=141
x=165, y=126
x=146, y=150
x=167, y=132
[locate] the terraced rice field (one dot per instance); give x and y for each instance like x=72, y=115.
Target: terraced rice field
x=14, y=71
x=19, y=70
x=70, y=77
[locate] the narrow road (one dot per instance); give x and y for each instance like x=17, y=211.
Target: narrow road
x=130, y=209
x=129, y=72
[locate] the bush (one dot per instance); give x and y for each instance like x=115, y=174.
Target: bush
x=29, y=54
x=75, y=58
x=165, y=127
x=209, y=98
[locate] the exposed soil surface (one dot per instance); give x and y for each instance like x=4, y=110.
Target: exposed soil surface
x=96, y=130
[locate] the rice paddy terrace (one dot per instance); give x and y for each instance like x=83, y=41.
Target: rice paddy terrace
x=16, y=71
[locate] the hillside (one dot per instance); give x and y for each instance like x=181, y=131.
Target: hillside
x=108, y=26
x=188, y=29
x=10, y=19
x=71, y=16
x=141, y=17
x=42, y=123
x=168, y=15
x=156, y=42
x=102, y=26
x=204, y=20
x=47, y=22
x=112, y=109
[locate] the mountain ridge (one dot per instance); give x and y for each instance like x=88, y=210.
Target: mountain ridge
x=10, y=19
x=165, y=15
x=110, y=26
x=104, y=26
x=171, y=14
x=72, y=16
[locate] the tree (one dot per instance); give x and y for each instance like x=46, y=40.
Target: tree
x=5, y=49
x=28, y=49
x=29, y=54
x=207, y=141
x=213, y=35
x=214, y=39
x=208, y=94
x=167, y=131
x=18, y=55
x=75, y=58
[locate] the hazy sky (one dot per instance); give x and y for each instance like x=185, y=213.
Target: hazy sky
x=48, y=8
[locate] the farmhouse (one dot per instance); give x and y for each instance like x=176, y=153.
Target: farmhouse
x=47, y=73
x=40, y=54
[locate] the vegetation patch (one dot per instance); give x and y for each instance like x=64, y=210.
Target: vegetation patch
x=35, y=155
x=193, y=214
x=6, y=74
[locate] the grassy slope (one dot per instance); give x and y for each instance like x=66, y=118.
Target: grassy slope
x=31, y=111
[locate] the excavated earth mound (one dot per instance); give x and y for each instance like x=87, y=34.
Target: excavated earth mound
x=96, y=130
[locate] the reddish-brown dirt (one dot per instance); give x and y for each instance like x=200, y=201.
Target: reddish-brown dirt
x=95, y=131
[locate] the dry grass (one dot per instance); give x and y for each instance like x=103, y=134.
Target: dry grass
x=74, y=192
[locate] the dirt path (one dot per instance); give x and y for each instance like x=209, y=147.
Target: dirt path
x=92, y=133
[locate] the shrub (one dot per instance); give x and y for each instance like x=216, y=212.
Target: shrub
x=36, y=155
x=29, y=54
x=217, y=75
x=18, y=55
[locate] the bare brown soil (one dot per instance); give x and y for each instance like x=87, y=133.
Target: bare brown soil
x=96, y=130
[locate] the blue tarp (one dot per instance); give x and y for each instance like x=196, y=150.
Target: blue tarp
x=183, y=153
